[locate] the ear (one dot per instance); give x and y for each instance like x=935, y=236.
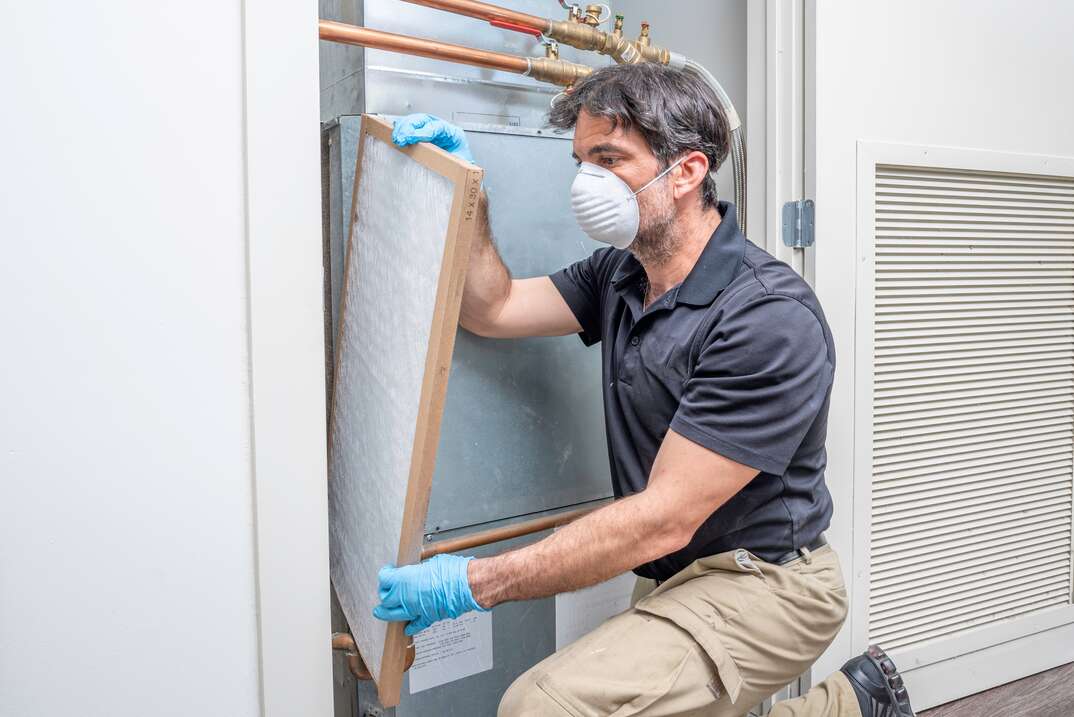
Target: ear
x=688, y=176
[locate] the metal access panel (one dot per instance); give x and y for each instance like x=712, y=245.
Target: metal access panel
x=523, y=426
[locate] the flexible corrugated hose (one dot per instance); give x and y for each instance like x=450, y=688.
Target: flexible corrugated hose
x=738, y=144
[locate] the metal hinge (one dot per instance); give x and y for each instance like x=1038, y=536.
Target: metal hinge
x=798, y=223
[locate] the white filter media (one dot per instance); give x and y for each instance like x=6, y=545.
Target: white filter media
x=395, y=255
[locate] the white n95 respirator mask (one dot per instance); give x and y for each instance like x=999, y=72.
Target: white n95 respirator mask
x=605, y=206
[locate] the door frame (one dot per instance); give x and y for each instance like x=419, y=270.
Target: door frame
x=779, y=144
x=778, y=120
x=285, y=340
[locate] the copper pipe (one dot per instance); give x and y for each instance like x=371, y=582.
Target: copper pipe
x=345, y=643
x=380, y=40
x=485, y=11
x=497, y=535
x=554, y=71
x=568, y=32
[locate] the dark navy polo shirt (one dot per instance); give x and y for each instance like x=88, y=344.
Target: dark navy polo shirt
x=737, y=358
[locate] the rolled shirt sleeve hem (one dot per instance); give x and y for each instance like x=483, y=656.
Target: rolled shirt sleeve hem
x=739, y=454
x=579, y=306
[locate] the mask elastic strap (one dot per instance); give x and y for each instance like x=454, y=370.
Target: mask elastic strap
x=670, y=167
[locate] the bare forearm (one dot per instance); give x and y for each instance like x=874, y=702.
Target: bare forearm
x=488, y=281
x=687, y=484
x=601, y=545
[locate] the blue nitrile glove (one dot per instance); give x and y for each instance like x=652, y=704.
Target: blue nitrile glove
x=427, y=128
x=426, y=593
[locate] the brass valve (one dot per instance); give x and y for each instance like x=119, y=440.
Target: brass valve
x=551, y=49
x=643, y=38
x=623, y=51
x=557, y=72
x=592, y=15
x=617, y=31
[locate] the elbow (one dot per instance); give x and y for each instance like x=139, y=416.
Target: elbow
x=679, y=539
x=484, y=318
x=479, y=326
x=672, y=516
x=473, y=325
x=671, y=536
x=671, y=527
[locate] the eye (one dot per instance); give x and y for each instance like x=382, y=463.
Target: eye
x=608, y=161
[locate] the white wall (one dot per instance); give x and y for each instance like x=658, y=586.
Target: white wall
x=128, y=564
x=992, y=75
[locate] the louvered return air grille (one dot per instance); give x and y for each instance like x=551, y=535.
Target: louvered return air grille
x=973, y=400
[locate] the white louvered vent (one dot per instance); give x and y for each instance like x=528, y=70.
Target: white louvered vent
x=973, y=400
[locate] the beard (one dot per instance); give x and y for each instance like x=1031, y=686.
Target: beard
x=656, y=241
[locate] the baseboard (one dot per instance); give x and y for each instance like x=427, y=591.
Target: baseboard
x=942, y=682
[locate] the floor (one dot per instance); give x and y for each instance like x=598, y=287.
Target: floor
x=1046, y=694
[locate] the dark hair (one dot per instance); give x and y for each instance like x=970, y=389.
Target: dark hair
x=676, y=111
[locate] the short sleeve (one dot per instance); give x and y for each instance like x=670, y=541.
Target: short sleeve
x=582, y=285
x=761, y=379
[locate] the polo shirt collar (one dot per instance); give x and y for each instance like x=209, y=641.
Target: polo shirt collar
x=714, y=270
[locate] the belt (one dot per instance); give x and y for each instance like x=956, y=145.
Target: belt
x=817, y=544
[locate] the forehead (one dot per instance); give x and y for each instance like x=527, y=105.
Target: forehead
x=594, y=134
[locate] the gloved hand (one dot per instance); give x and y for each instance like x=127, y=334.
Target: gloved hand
x=435, y=590
x=427, y=128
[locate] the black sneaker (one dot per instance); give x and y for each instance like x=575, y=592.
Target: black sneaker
x=878, y=685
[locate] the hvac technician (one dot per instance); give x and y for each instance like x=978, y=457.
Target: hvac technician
x=717, y=365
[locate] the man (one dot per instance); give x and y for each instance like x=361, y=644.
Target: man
x=717, y=365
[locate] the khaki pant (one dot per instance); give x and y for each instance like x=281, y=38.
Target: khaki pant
x=716, y=640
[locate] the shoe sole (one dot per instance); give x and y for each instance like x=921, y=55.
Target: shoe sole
x=892, y=681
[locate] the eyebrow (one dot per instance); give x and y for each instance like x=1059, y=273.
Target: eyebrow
x=603, y=148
